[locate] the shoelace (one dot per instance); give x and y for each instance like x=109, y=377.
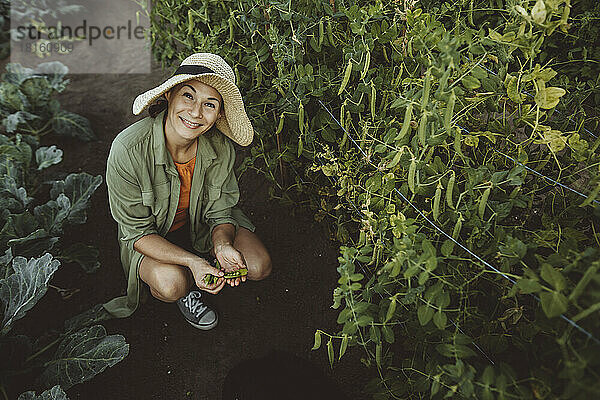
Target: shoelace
x=194, y=304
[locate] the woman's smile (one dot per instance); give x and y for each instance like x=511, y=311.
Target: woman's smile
x=189, y=124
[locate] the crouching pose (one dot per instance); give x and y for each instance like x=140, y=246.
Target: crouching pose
x=174, y=195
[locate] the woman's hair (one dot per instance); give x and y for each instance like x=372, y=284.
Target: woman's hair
x=158, y=106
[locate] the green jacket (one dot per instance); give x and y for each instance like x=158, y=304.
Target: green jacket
x=143, y=193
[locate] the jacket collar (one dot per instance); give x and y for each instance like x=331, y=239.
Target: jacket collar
x=161, y=155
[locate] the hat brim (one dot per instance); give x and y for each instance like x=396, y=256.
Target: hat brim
x=236, y=124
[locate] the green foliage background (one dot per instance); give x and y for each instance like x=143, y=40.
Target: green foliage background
x=447, y=171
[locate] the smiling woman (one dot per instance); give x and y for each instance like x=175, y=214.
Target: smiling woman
x=194, y=107
x=174, y=195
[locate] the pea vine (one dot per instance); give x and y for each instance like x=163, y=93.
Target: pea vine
x=452, y=149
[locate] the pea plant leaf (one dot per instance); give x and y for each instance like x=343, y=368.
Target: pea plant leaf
x=527, y=286
x=549, y=97
x=470, y=82
x=553, y=277
x=47, y=156
x=78, y=188
x=66, y=123
x=538, y=12
x=553, y=303
x=56, y=393
x=82, y=355
x=21, y=290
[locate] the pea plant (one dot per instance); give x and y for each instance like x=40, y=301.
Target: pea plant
x=452, y=149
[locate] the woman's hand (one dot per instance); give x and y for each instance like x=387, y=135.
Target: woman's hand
x=230, y=260
x=200, y=268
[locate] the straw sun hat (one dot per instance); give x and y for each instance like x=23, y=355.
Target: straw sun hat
x=212, y=70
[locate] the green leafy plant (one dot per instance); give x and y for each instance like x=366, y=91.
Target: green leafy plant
x=28, y=104
x=4, y=29
x=452, y=153
x=30, y=232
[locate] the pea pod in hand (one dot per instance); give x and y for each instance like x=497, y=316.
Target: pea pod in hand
x=211, y=279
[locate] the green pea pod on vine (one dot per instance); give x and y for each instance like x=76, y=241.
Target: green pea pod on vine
x=343, y=346
x=444, y=81
x=449, y=190
x=426, y=90
x=457, y=227
x=301, y=118
x=321, y=33
x=458, y=142
x=399, y=77
x=470, y=14
x=346, y=78
x=406, y=122
x=422, y=128
x=391, y=310
x=280, y=125
x=190, y=23
x=373, y=100
x=483, y=201
x=330, y=33
x=231, y=37
x=412, y=170
x=436, y=201
x=449, y=112
x=347, y=116
x=365, y=70
x=396, y=158
x=513, y=90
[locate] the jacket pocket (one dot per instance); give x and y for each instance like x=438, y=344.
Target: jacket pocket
x=213, y=193
x=159, y=193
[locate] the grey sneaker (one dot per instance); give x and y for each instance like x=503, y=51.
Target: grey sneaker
x=196, y=312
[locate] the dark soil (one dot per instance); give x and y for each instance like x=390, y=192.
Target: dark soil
x=169, y=359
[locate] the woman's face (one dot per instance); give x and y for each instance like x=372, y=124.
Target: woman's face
x=193, y=109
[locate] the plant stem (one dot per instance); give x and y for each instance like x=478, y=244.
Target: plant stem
x=587, y=312
x=33, y=356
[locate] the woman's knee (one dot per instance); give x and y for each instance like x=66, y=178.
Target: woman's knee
x=170, y=290
x=260, y=267
x=166, y=282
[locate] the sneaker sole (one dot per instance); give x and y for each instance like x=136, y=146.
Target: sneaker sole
x=205, y=327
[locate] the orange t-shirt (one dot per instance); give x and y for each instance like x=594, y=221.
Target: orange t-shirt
x=186, y=171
